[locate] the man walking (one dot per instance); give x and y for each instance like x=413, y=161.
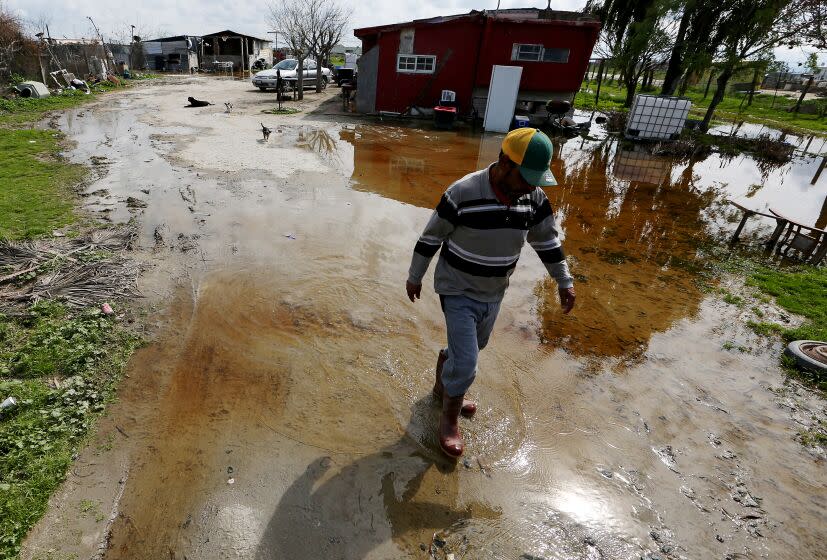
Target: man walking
x=481, y=223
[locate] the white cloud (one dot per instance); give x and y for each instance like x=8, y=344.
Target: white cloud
x=68, y=17
x=196, y=17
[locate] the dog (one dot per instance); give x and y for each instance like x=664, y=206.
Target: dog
x=196, y=103
x=266, y=132
x=229, y=107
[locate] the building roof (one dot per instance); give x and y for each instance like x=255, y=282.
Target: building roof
x=169, y=39
x=229, y=32
x=532, y=15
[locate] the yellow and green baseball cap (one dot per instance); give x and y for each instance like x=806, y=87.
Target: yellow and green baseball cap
x=531, y=150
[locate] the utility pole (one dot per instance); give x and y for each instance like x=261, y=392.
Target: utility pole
x=103, y=45
x=276, y=48
x=131, y=47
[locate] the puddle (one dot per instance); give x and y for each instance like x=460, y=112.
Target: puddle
x=632, y=221
x=283, y=409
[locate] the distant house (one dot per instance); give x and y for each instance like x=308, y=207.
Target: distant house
x=230, y=46
x=342, y=50
x=407, y=64
x=172, y=54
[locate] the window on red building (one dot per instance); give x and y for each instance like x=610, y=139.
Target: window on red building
x=538, y=53
x=526, y=52
x=415, y=64
x=556, y=55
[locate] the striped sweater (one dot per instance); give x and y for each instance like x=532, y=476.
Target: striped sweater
x=481, y=240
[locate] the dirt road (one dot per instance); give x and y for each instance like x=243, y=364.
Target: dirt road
x=282, y=410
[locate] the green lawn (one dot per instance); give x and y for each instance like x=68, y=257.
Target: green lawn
x=36, y=193
x=36, y=184
x=763, y=110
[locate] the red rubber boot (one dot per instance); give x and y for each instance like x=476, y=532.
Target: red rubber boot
x=450, y=440
x=469, y=408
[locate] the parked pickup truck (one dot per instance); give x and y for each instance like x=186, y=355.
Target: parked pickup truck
x=289, y=73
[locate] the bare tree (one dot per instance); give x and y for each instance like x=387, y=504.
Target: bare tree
x=11, y=40
x=330, y=21
x=294, y=18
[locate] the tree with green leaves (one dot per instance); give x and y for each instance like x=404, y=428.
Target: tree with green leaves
x=749, y=30
x=634, y=32
x=694, y=43
x=812, y=63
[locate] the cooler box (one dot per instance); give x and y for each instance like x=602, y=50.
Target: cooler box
x=520, y=122
x=444, y=117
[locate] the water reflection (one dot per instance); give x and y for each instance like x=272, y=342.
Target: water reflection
x=631, y=232
x=632, y=221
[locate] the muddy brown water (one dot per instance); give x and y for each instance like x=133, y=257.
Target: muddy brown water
x=282, y=409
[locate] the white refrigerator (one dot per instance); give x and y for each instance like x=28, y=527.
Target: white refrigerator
x=502, y=98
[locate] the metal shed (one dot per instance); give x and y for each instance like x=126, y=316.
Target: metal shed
x=174, y=54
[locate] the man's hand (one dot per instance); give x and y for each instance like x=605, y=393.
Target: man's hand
x=415, y=291
x=566, y=299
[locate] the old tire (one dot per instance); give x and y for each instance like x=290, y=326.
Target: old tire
x=802, y=352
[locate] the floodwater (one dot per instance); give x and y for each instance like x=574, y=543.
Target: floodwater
x=282, y=409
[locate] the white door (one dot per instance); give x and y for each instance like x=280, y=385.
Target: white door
x=502, y=98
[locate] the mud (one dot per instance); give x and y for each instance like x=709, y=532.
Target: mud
x=283, y=411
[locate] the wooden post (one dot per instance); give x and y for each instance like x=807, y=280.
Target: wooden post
x=818, y=173
x=243, y=47
x=737, y=233
x=40, y=63
x=780, y=224
x=774, y=95
x=803, y=93
x=752, y=87
x=821, y=221
x=599, y=81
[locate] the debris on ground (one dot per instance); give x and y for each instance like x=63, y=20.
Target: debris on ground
x=616, y=121
x=132, y=202
x=80, y=271
x=698, y=145
x=8, y=403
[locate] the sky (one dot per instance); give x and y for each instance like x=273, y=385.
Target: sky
x=154, y=18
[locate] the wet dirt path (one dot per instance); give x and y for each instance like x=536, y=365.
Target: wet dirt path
x=282, y=410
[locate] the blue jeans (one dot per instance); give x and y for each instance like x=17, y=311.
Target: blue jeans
x=469, y=323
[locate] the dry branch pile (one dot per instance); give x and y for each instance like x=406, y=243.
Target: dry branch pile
x=83, y=271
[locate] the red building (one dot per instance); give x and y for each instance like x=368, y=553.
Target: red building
x=408, y=65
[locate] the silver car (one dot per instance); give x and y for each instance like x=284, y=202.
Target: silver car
x=288, y=67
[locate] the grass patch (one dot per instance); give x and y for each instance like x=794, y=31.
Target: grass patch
x=814, y=438
x=801, y=291
x=765, y=328
x=62, y=366
x=763, y=110
x=35, y=185
x=282, y=111
x=733, y=299
x=21, y=110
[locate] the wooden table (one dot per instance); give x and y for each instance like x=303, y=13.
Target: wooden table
x=810, y=241
x=780, y=223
